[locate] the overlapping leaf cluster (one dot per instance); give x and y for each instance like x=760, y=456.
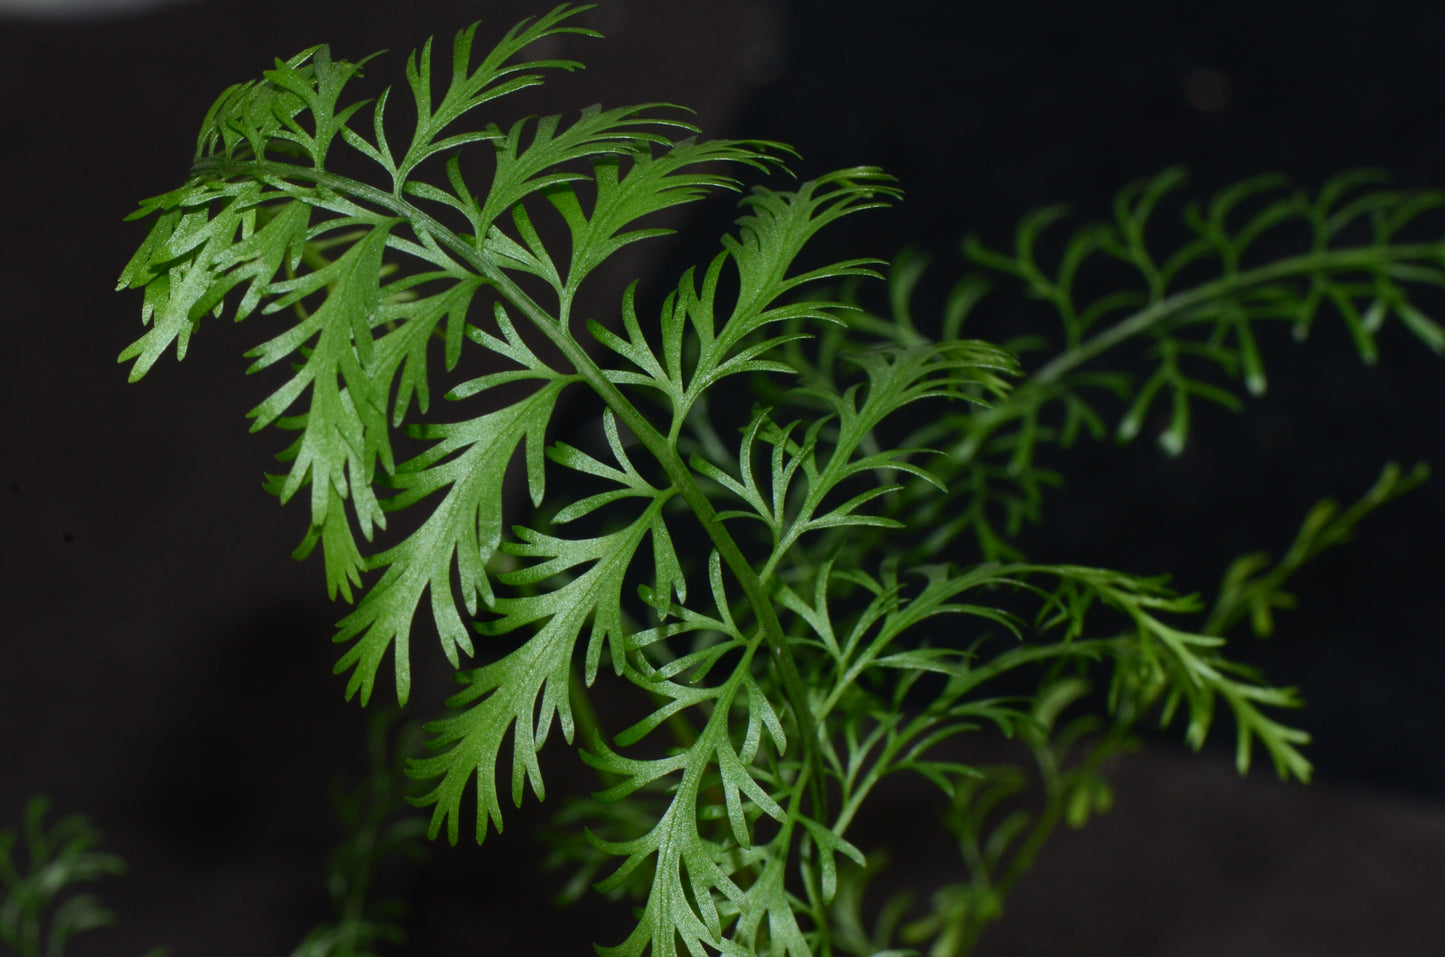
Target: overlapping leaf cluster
x=738, y=568
x=1258, y=253
x=1196, y=312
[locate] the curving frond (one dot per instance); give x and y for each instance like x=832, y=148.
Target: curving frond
x=757, y=542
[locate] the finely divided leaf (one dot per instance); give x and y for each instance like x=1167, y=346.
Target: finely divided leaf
x=502, y=696
x=469, y=461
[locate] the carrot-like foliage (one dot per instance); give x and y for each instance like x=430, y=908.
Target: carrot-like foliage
x=792, y=525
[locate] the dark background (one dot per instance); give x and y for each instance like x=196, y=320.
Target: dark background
x=165, y=669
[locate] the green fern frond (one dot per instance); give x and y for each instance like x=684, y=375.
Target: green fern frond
x=1245, y=592
x=41, y=906
x=1196, y=311
x=788, y=601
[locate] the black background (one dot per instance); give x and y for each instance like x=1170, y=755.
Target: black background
x=165, y=669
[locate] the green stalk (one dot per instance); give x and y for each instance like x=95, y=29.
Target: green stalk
x=658, y=445
x=682, y=478
x=1366, y=258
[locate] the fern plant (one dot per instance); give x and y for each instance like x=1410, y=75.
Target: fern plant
x=787, y=567
x=42, y=908
x=41, y=905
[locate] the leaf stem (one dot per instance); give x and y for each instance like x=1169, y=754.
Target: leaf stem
x=682, y=478
x=655, y=442
x=1314, y=263
x=1369, y=258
